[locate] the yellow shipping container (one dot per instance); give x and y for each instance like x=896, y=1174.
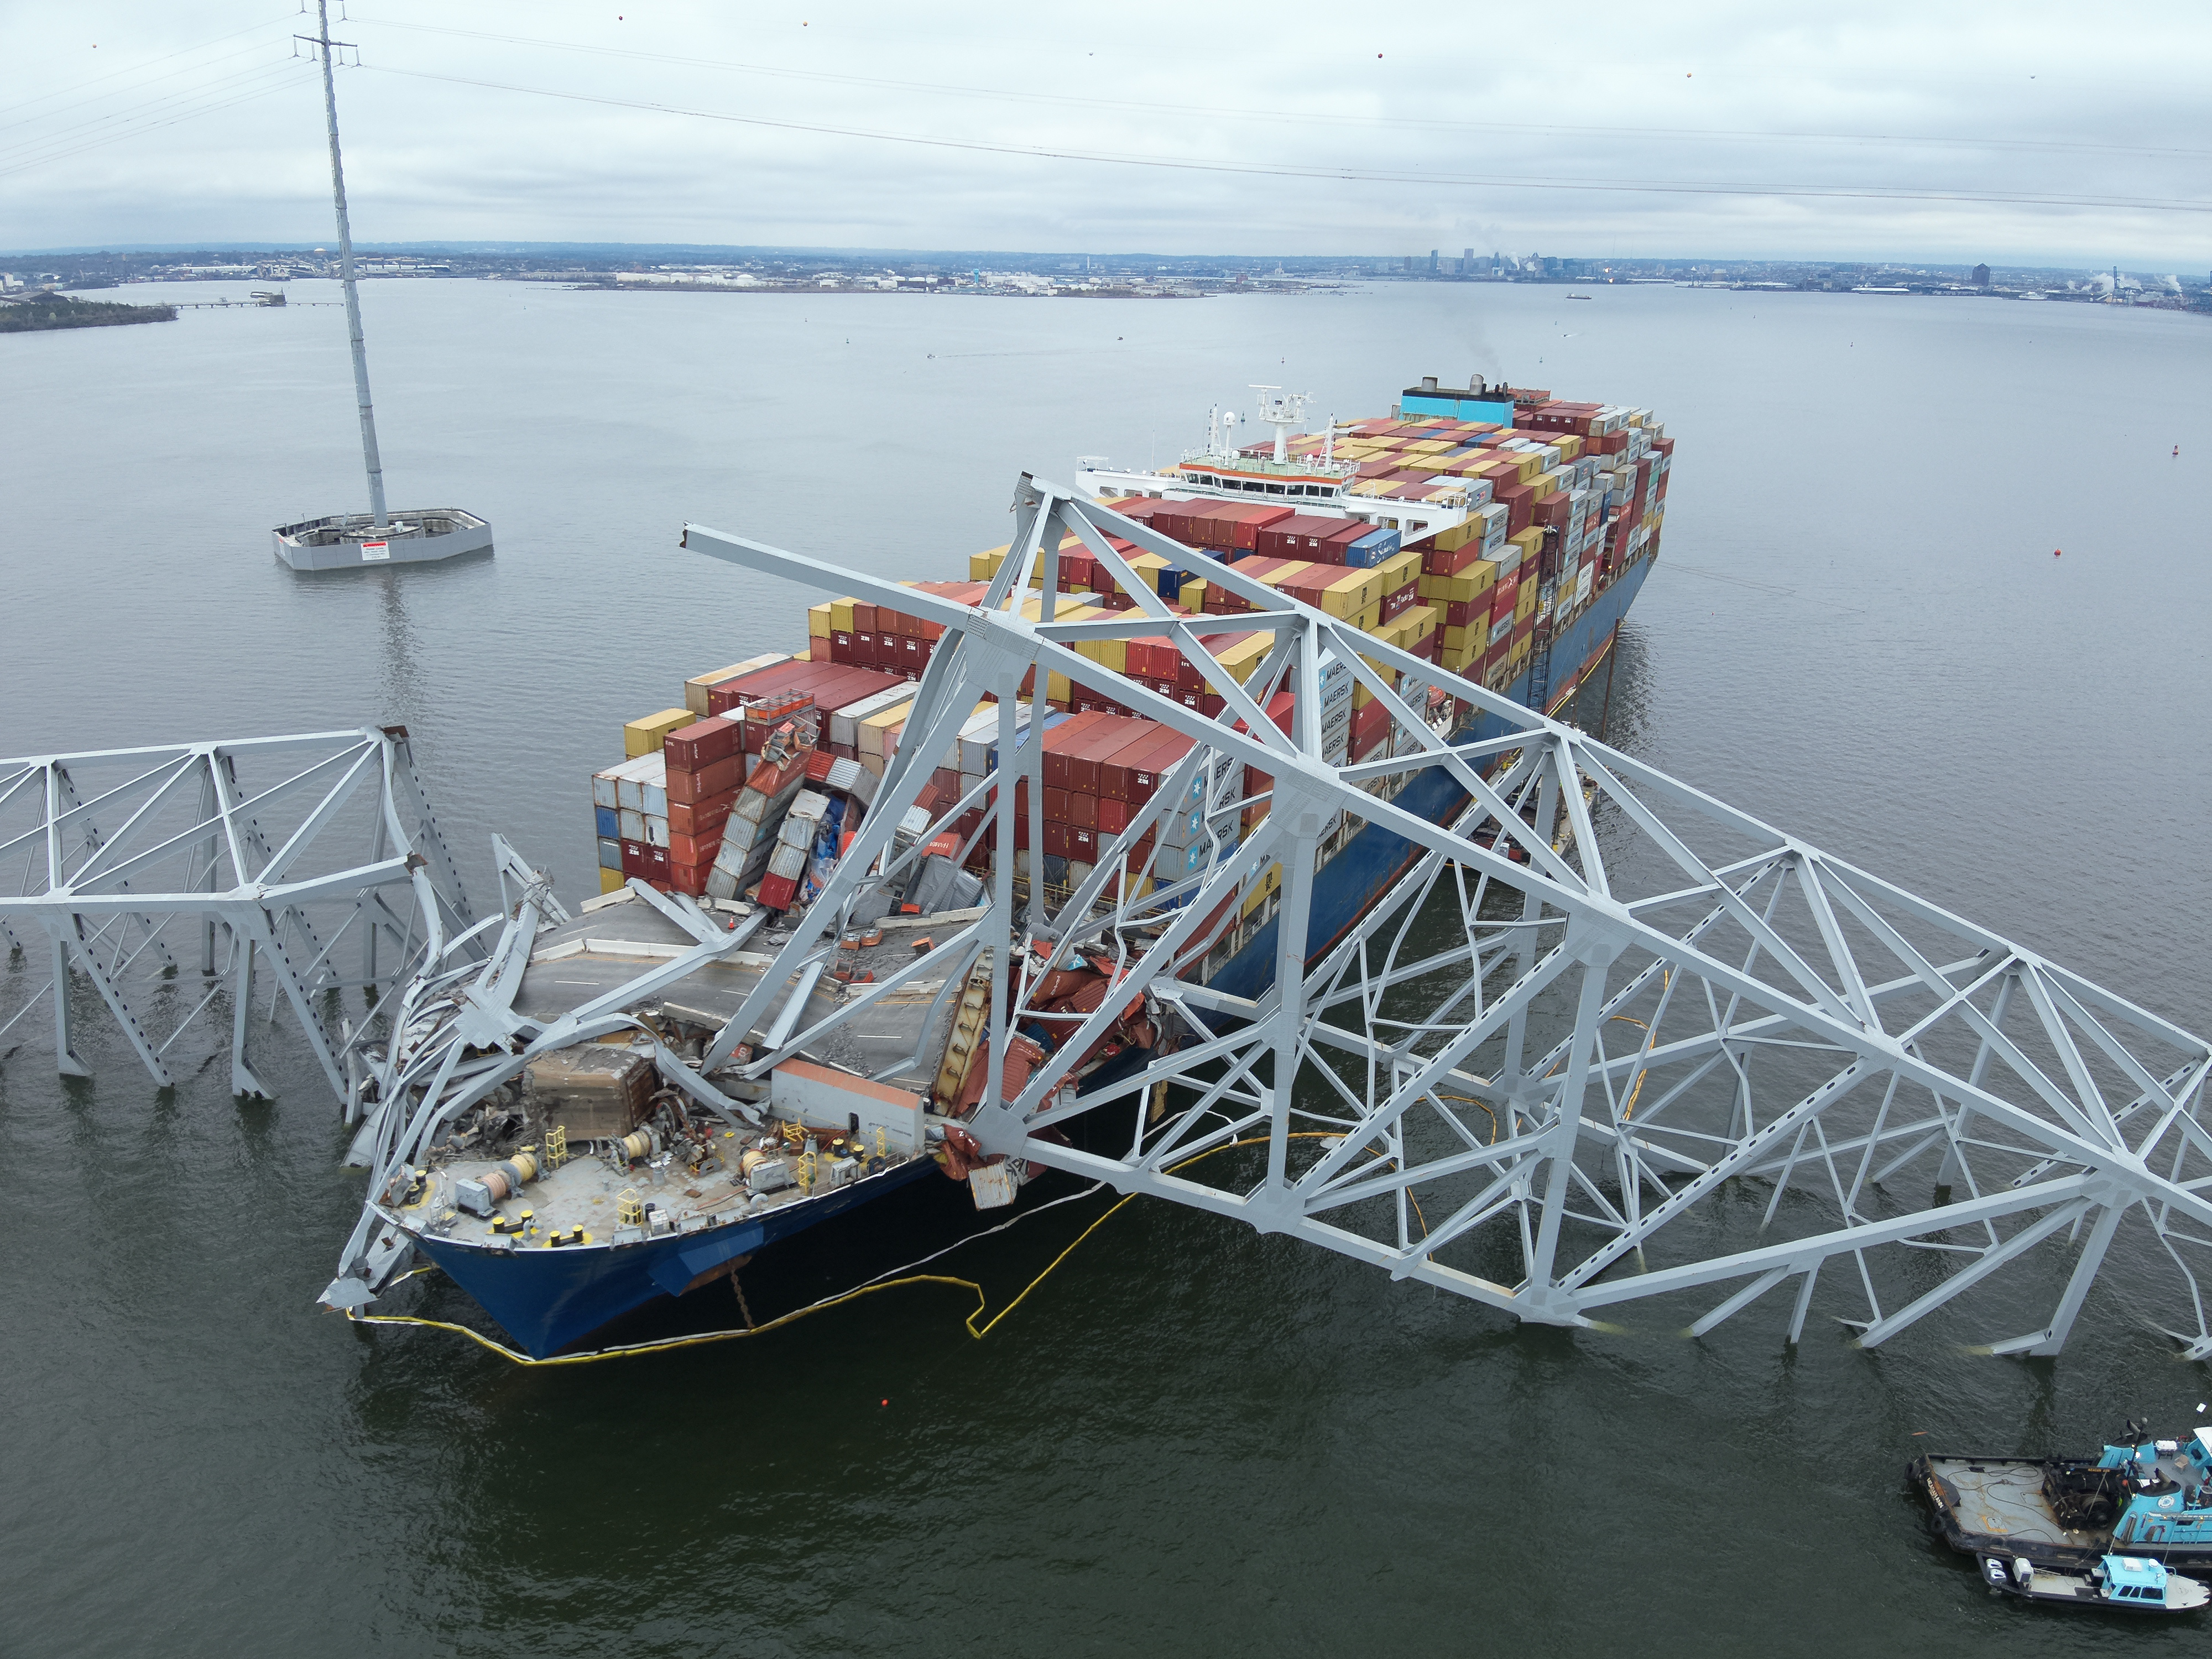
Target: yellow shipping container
x=1529, y=541
x=818, y=625
x=1421, y=620
x=808, y=655
x=1399, y=569
x=1291, y=568
x=1570, y=446
x=1369, y=619
x=643, y=737
x=1056, y=687
x=982, y=566
x=1113, y=654
x=869, y=735
x=840, y=614
x=611, y=881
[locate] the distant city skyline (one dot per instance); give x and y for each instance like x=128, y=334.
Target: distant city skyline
x=1968, y=134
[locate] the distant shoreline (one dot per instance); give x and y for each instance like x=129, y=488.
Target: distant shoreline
x=54, y=311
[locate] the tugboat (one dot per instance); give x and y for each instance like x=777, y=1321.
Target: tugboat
x=2145, y=1498
x=2129, y=1583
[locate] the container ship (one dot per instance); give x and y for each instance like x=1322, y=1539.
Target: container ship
x=1497, y=531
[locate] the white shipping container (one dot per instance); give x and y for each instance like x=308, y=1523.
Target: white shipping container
x=644, y=785
x=789, y=862
x=844, y=723
x=656, y=831
x=609, y=853
x=633, y=825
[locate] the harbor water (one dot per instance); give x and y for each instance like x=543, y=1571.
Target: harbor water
x=1933, y=594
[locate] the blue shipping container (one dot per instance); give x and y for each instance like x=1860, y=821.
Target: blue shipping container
x=1371, y=550
x=609, y=822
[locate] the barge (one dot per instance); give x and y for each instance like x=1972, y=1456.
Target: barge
x=2149, y=1497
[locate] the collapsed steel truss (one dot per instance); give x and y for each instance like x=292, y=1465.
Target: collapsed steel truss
x=1606, y=1039
x=162, y=879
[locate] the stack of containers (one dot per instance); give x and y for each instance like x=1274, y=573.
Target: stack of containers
x=749, y=834
x=794, y=846
x=630, y=804
x=702, y=768
x=1467, y=598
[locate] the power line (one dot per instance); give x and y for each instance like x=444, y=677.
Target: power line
x=223, y=86
x=280, y=75
x=181, y=51
x=1340, y=173
x=99, y=97
x=1210, y=111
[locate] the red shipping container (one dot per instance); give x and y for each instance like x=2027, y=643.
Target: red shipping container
x=718, y=779
x=1056, y=838
x=864, y=647
x=1112, y=815
x=1055, y=804
x=1146, y=771
x=832, y=686
x=1138, y=736
x=1298, y=537
x=690, y=878
x=1397, y=604
x=778, y=892
x=704, y=817
x=693, y=848
x=1125, y=772
x=840, y=646
x=863, y=617
x=1082, y=844
x=1082, y=811
x=1102, y=740
x=1256, y=519
x=1057, y=743
x=693, y=746
x=640, y=859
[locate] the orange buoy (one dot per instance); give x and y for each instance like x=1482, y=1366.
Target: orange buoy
x=2058, y=552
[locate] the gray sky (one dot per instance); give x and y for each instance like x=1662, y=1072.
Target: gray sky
x=1464, y=126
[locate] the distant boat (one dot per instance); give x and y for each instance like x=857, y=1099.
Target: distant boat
x=1578, y=296
x=342, y=541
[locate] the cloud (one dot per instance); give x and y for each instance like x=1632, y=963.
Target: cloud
x=1462, y=128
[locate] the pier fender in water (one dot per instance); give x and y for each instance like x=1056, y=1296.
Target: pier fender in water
x=675, y=1270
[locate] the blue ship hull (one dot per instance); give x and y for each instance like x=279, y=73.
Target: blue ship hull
x=547, y=1299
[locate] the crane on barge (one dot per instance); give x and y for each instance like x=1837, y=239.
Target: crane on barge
x=1596, y=1009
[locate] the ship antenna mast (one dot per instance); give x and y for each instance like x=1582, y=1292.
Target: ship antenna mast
x=368, y=450
x=1282, y=412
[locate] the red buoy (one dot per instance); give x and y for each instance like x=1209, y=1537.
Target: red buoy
x=2058, y=552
